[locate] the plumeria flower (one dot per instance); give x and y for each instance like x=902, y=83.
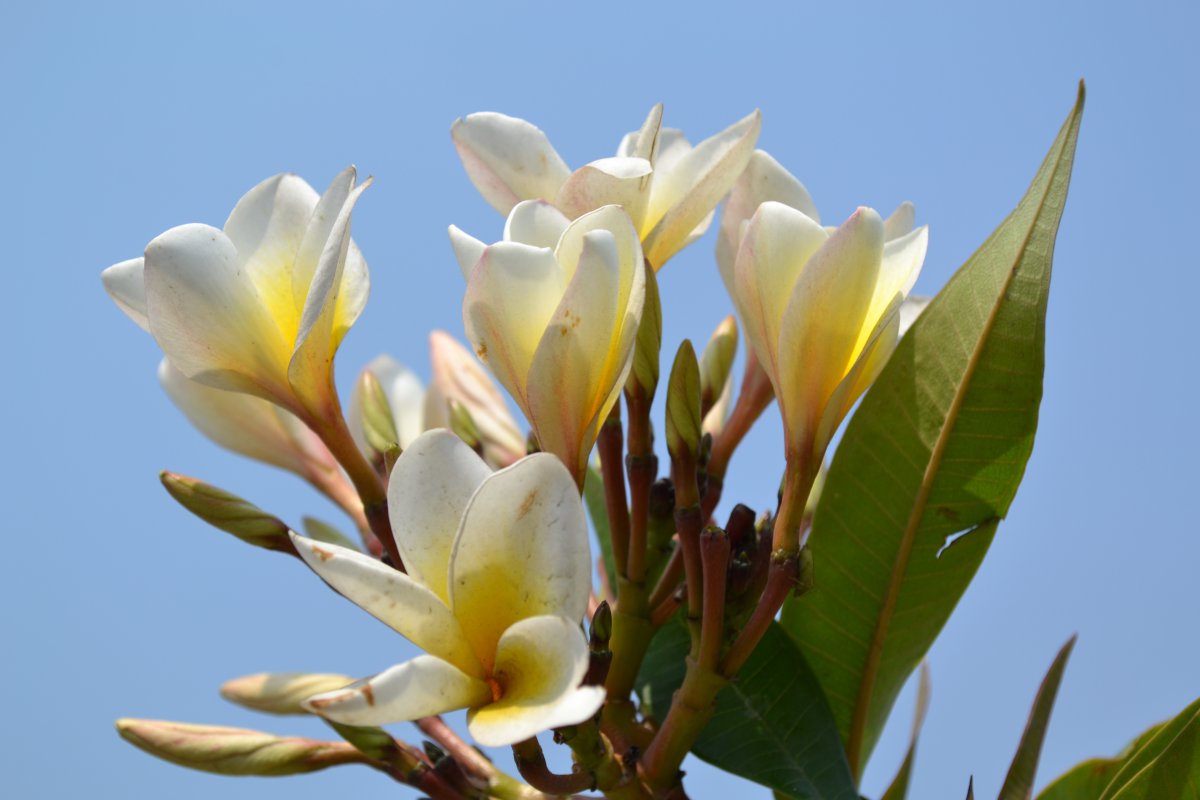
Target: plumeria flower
x=458, y=377
x=667, y=187
x=260, y=306
x=557, y=326
x=497, y=583
x=822, y=311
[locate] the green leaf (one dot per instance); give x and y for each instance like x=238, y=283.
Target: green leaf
x=935, y=452
x=772, y=724
x=593, y=498
x=899, y=787
x=1162, y=762
x=1018, y=784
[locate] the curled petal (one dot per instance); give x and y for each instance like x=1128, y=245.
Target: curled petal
x=763, y=180
x=127, y=288
x=207, y=316
x=609, y=181
x=643, y=143
x=467, y=249
x=522, y=551
x=392, y=597
x=685, y=193
x=900, y=221
x=539, y=664
x=419, y=688
x=508, y=159
x=535, y=222
x=428, y=492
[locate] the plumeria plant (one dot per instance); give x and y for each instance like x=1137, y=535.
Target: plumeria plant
x=770, y=642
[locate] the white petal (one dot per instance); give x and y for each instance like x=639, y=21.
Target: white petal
x=610, y=181
x=419, y=688
x=310, y=371
x=539, y=664
x=826, y=326
x=267, y=227
x=508, y=159
x=511, y=295
x=467, y=249
x=247, y=425
x=777, y=243
x=127, y=288
x=684, y=193
x=643, y=143
x=535, y=222
x=428, y=492
x=900, y=221
x=206, y=314
x=392, y=597
x=910, y=309
x=672, y=147
x=762, y=180
x=522, y=551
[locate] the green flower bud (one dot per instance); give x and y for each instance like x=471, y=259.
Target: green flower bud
x=716, y=363
x=379, y=427
x=643, y=377
x=229, y=512
x=282, y=692
x=683, y=405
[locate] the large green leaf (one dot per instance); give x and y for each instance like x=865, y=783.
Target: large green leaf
x=1018, y=783
x=935, y=452
x=1163, y=762
x=772, y=724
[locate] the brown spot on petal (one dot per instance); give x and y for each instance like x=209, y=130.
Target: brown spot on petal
x=481, y=351
x=324, y=555
x=497, y=689
x=527, y=504
x=369, y=694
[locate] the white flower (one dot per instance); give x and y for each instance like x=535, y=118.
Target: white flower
x=667, y=187
x=497, y=583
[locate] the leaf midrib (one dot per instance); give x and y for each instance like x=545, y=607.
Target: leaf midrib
x=879, y=635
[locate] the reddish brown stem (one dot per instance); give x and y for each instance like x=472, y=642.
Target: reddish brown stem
x=714, y=553
x=531, y=763
x=781, y=578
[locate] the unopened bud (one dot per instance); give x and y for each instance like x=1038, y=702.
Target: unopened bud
x=643, y=376
x=532, y=445
x=234, y=751
x=378, y=424
x=229, y=512
x=601, y=628
x=324, y=532
x=374, y=743
x=740, y=527
x=716, y=364
x=814, y=494
x=281, y=692
x=434, y=753
x=464, y=427
x=683, y=405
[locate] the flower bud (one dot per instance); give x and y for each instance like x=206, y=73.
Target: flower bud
x=464, y=427
x=324, y=532
x=683, y=405
x=643, y=377
x=280, y=692
x=716, y=364
x=234, y=751
x=378, y=424
x=601, y=629
x=374, y=743
x=228, y=512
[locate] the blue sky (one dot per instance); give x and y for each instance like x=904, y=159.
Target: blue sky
x=123, y=120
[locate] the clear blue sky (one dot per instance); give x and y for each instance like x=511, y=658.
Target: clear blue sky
x=120, y=121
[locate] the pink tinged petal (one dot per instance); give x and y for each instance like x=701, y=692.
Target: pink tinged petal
x=825, y=325
x=406, y=399
x=395, y=599
x=267, y=227
x=777, y=243
x=900, y=221
x=511, y=295
x=610, y=181
x=539, y=664
x=522, y=551
x=467, y=249
x=762, y=180
x=127, y=288
x=428, y=492
x=643, y=143
x=247, y=425
x=535, y=222
x=207, y=317
x=310, y=371
x=419, y=688
x=508, y=159
x=458, y=376
x=683, y=194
